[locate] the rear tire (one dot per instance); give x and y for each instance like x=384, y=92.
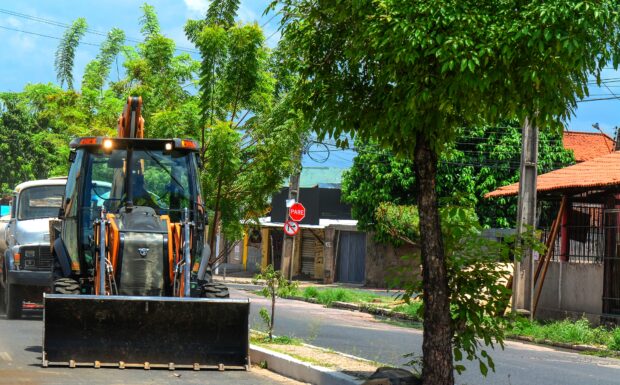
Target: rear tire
x=66, y=286
x=13, y=301
x=214, y=290
x=2, y=301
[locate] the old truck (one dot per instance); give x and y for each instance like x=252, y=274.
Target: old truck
x=26, y=261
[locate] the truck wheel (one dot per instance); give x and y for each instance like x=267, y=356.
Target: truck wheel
x=13, y=301
x=2, y=301
x=66, y=286
x=214, y=290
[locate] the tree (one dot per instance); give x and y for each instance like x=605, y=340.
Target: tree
x=479, y=161
x=66, y=51
x=477, y=268
x=27, y=148
x=408, y=74
x=275, y=285
x=163, y=79
x=246, y=128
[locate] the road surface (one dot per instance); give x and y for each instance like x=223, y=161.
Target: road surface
x=362, y=335
x=20, y=360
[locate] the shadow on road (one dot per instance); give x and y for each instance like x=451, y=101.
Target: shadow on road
x=34, y=349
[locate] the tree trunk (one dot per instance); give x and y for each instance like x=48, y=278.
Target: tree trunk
x=437, y=366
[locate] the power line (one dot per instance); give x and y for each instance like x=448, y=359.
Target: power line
x=42, y=35
x=597, y=99
x=64, y=25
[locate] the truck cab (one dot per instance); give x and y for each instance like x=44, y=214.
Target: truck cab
x=26, y=260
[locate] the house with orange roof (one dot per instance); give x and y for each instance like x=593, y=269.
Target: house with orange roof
x=587, y=145
x=579, y=221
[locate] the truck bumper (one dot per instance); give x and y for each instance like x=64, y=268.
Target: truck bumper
x=29, y=278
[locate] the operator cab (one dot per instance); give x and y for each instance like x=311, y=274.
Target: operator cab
x=121, y=175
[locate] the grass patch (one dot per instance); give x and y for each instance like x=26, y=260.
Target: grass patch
x=329, y=295
x=412, y=309
x=567, y=331
x=260, y=339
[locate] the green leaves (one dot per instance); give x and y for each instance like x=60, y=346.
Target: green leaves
x=65, y=53
x=274, y=285
x=248, y=139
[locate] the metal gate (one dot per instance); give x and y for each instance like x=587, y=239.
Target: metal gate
x=611, y=260
x=308, y=253
x=351, y=257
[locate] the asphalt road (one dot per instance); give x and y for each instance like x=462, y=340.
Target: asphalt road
x=20, y=360
x=362, y=335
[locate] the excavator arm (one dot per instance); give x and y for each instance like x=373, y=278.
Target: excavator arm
x=131, y=122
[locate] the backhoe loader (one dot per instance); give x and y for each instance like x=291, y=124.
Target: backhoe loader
x=132, y=277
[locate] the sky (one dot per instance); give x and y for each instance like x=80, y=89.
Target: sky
x=27, y=57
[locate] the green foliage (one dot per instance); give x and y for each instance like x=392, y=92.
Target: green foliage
x=65, y=54
x=408, y=74
x=248, y=137
x=264, y=315
x=97, y=71
x=395, y=69
x=566, y=331
x=615, y=340
x=28, y=150
x=413, y=309
x=274, y=285
x=160, y=77
x=397, y=223
x=482, y=159
x=477, y=268
x=327, y=296
x=223, y=12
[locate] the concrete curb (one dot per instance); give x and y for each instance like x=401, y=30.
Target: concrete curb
x=299, y=370
x=563, y=345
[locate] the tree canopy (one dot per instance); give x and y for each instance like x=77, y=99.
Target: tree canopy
x=479, y=161
x=408, y=74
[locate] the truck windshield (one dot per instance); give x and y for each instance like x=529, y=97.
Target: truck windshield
x=40, y=202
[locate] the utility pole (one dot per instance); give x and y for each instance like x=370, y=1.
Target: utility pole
x=526, y=217
x=617, y=146
x=288, y=247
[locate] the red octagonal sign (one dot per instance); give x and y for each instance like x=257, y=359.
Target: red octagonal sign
x=297, y=212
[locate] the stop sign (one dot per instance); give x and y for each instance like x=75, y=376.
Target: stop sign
x=297, y=212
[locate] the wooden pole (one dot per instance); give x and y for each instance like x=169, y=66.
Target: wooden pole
x=548, y=257
x=551, y=240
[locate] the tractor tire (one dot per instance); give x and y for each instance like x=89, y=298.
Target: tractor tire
x=13, y=301
x=214, y=290
x=2, y=301
x=66, y=286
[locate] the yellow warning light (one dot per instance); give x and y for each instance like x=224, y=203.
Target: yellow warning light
x=107, y=144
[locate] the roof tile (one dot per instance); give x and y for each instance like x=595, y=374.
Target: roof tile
x=598, y=172
x=587, y=145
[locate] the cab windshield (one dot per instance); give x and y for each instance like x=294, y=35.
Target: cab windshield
x=154, y=178
x=40, y=202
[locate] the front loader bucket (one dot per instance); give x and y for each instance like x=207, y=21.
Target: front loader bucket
x=145, y=332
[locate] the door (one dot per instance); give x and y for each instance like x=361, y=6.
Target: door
x=351, y=257
x=308, y=253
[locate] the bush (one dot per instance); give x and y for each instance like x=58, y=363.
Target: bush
x=614, y=344
x=311, y=292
